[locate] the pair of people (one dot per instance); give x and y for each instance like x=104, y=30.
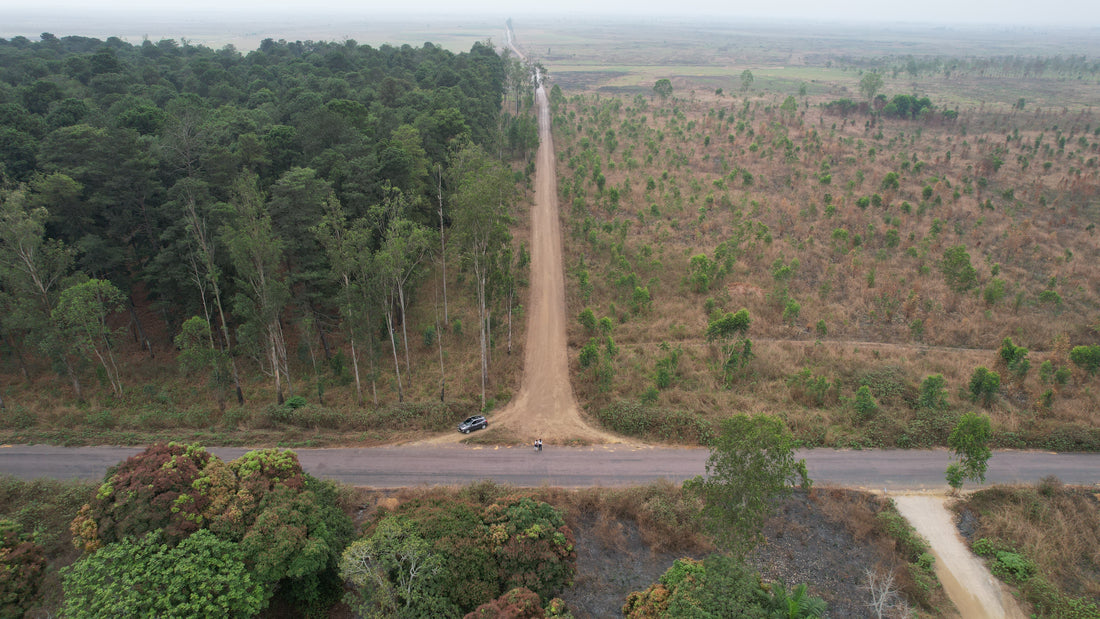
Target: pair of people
x=538, y=445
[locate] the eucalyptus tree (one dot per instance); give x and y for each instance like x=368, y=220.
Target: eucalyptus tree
x=398, y=261
x=81, y=316
x=482, y=195
x=257, y=253
x=33, y=271
x=204, y=271
x=347, y=249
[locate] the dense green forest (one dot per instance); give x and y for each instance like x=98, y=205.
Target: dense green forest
x=245, y=203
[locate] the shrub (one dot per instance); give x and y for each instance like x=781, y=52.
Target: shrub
x=933, y=395
x=587, y=319
x=791, y=311
x=149, y=491
x=518, y=603
x=1050, y=297
x=283, y=522
x=957, y=270
x=984, y=385
x=865, y=405
x=203, y=576
x=994, y=291
x=811, y=390
x=440, y=558
x=1015, y=357
x=718, y=586
x=22, y=563
x=1086, y=357
x=634, y=419
x=1046, y=371
x=729, y=325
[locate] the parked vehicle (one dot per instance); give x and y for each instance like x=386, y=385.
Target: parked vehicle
x=476, y=422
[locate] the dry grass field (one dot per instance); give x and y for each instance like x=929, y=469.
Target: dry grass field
x=842, y=234
x=1043, y=539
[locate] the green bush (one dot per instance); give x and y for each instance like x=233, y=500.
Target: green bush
x=284, y=523
x=865, y=405
x=203, y=576
x=22, y=564
x=1015, y=357
x=984, y=385
x=1086, y=357
x=634, y=419
x=468, y=554
x=718, y=586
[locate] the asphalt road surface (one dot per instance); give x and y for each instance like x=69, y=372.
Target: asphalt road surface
x=603, y=465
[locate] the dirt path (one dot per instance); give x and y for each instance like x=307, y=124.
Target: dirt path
x=975, y=592
x=545, y=407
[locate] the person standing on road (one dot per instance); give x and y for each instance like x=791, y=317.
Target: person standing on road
x=538, y=445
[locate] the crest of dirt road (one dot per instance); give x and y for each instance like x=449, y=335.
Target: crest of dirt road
x=545, y=406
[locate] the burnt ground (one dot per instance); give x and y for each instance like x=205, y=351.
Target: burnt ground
x=802, y=544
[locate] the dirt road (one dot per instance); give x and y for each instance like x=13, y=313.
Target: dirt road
x=968, y=583
x=545, y=405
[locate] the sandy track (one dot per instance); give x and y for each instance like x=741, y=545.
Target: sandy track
x=975, y=592
x=545, y=406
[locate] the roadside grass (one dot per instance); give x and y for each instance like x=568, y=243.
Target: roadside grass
x=1043, y=539
x=44, y=508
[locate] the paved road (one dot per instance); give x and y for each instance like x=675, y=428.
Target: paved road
x=607, y=465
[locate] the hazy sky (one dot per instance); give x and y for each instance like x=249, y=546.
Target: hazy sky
x=1082, y=13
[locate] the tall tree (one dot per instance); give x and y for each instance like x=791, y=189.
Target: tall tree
x=398, y=262
x=205, y=272
x=256, y=253
x=751, y=464
x=870, y=84
x=345, y=252
x=33, y=270
x=81, y=315
x=482, y=195
x=970, y=442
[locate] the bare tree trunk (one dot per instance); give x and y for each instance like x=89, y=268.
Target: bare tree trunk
x=396, y=363
x=404, y=326
x=442, y=372
x=511, y=293
x=18, y=355
x=228, y=350
x=373, y=372
x=140, y=330
x=198, y=229
x=320, y=331
x=280, y=350
x=442, y=247
x=275, y=368
x=316, y=375
x=73, y=378
x=482, y=335
x=355, y=369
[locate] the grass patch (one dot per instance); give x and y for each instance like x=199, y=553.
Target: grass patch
x=1043, y=539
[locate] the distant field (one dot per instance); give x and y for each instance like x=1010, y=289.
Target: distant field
x=245, y=32
x=626, y=57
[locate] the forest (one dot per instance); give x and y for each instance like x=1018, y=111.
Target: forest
x=265, y=217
